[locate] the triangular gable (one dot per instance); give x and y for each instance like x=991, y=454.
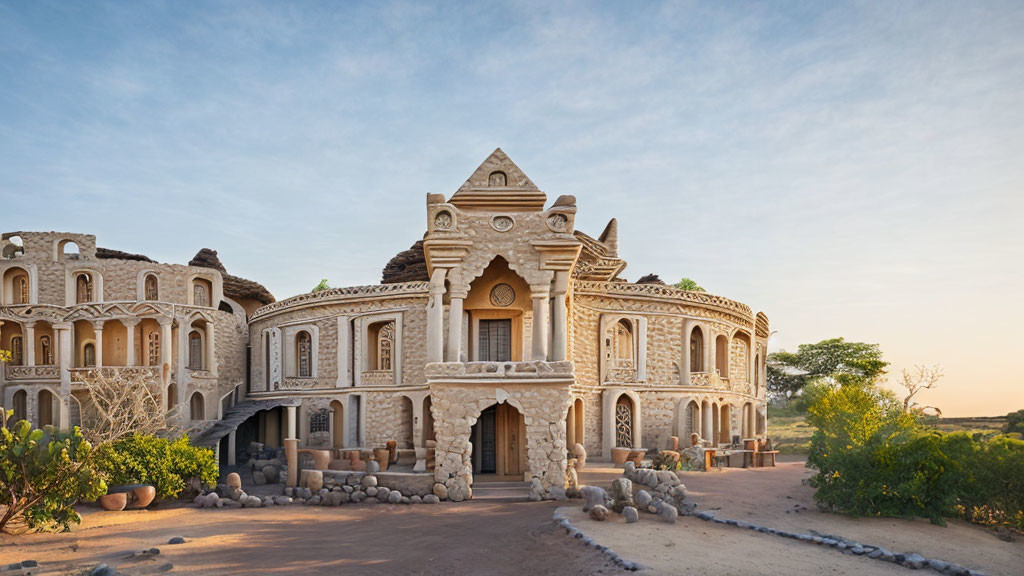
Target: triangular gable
x=499, y=185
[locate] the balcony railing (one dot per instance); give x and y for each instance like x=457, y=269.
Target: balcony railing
x=377, y=378
x=499, y=370
x=50, y=372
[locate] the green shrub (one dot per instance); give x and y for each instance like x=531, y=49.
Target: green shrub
x=875, y=459
x=42, y=474
x=1015, y=422
x=166, y=464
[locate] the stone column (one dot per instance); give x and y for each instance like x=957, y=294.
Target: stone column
x=291, y=423
x=435, y=317
x=751, y=355
x=707, y=431
x=559, y=317
x=684, y=363
x=641, y=350
x=712, y=346
x=30, y=343
x=291, y=452
x=455, y=327
x=129, y=326
x=540, y=323
x=231, y=448
x=166, y=346
x=211, y=351
x=64, y=354
x=97, y=327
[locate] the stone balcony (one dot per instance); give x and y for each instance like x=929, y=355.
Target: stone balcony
x=32, y=373
x=534, y=370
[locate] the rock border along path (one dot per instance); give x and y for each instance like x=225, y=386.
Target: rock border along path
x=578, y=534
x=910, y=560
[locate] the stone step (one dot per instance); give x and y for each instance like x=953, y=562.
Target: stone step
x=501, y=491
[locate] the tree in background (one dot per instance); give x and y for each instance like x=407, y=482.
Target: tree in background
x=1015, y=422
x=789, y=372
x=121, y=404
x=924, y=378
x=689, y=285
x=321, y=286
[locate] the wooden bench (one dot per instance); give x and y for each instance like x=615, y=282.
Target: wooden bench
x=766, y=455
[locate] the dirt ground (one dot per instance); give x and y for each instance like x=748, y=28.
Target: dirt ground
x=466, y=538
x=776, y=497
x=509, y=538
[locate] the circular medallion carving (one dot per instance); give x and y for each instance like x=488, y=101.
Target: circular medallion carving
x=503, y=295
x=443, y=220
x=502, y=223
x=557, y=222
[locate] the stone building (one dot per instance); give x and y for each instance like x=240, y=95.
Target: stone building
x=67, y=306
x=505, y=336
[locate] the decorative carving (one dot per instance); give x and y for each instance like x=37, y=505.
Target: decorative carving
x=557, y=222
x=304, y=383
x=349, y=293
x=623, y=426
x=503, y=295
x=443, y=220
x=502, y=223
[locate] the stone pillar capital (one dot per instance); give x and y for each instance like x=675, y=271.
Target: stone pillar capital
x=97, y=325
x=130, y=322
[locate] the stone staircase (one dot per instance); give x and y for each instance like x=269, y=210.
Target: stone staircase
x=501, y=491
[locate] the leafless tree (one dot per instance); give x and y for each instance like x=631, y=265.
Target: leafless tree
x=121, y=403
x=921, y=378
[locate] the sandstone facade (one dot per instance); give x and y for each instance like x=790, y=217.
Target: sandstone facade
x=499, y=340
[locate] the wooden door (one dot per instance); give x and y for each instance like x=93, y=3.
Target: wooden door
x=510, y=437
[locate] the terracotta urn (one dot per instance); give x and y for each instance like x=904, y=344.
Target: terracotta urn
x=114, y=502
x=383, y=457
x=619, y=455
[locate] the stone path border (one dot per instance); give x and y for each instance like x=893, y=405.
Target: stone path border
x=577, y=534
x=911, y=560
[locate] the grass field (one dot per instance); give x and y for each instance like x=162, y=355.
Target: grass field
x=790, y=434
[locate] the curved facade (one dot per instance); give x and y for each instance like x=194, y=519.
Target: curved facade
x=67, y=307
x=503, y=338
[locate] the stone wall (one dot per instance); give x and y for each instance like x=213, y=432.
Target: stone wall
x=388, y=417
x=456, y=408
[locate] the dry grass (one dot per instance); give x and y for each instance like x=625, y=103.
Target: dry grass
x=790, y=434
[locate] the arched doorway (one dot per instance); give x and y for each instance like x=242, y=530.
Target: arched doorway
x=337, y=424
x=625, y=423
x=45, y=408
x=498, y=439
x=725, y=432
x=428, y=420
x=574, y=424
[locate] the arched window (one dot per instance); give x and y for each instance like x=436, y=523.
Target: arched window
x=197, y=410
x=21, y=289
x=68, y=249
x=497, y=178
x=46, y=351
x=150, y=287
x=172, y=396
x=304, y=354
x=89, y=355
x=83, y=288
x=624, y=343
x=722, y=355
x=385, y=346
x=624, y=422
x=201, y=293
x=20, y=406
x=153, y=348
x=195, y=350
x=697, y=350
x=17, y=351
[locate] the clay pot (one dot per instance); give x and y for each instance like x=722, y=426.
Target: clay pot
x=114, y=502
x=619, y=455
x=383, y=457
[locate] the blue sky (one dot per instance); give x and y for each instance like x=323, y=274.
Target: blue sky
x=851, y=169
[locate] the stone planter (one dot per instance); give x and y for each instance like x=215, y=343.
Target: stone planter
x=114, y=502
x=619, y=455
